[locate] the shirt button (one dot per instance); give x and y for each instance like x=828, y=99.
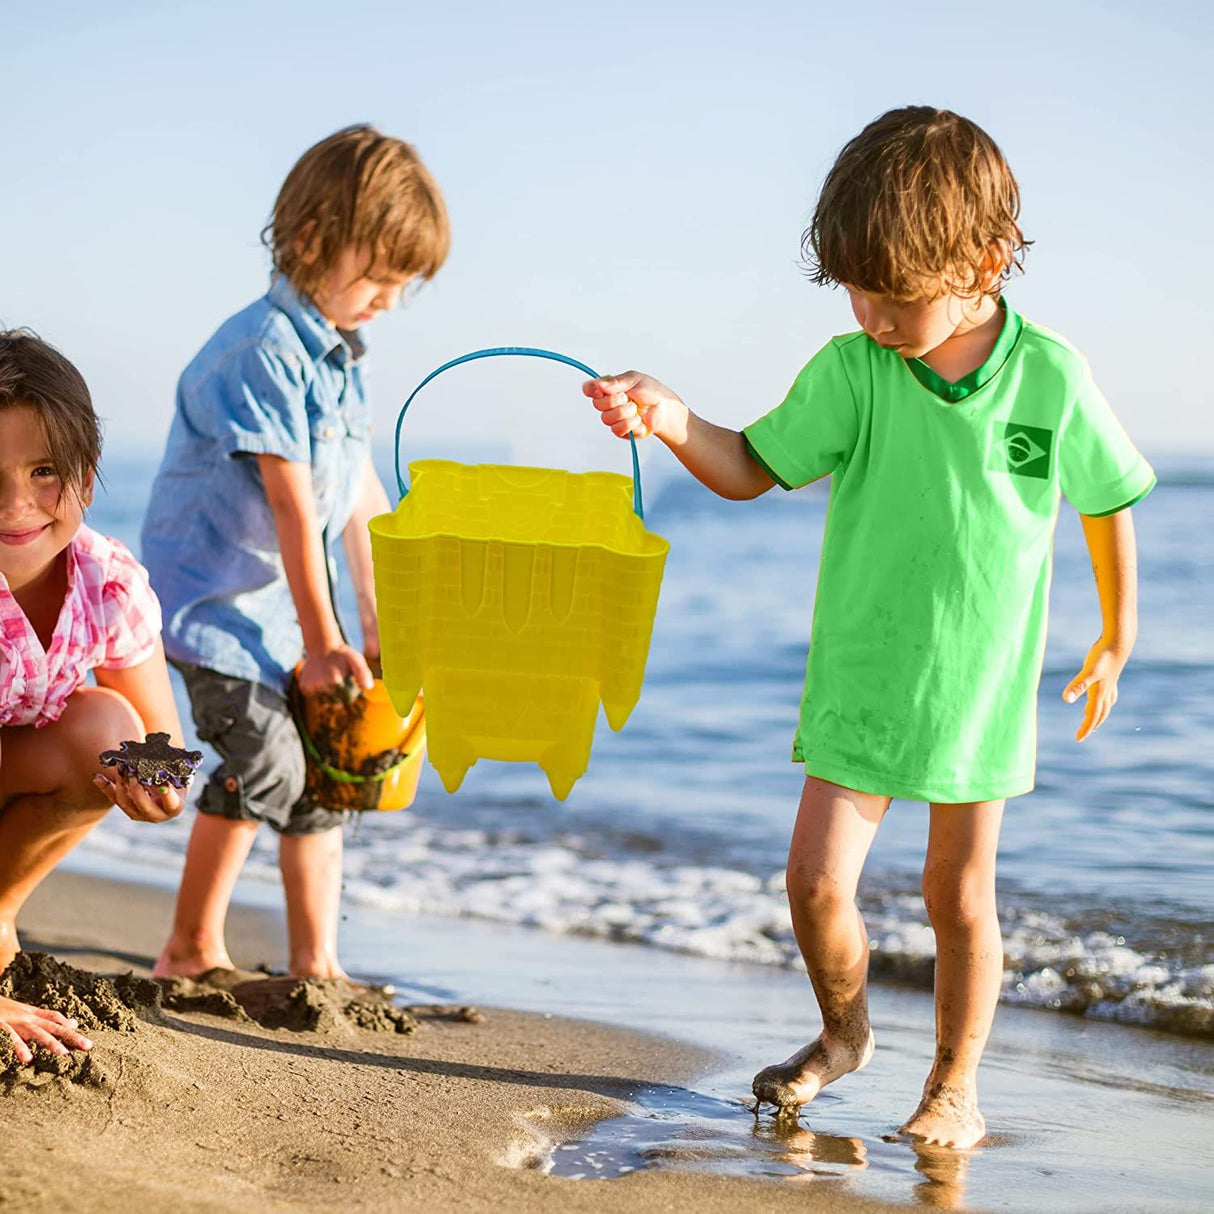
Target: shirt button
x=328, y=432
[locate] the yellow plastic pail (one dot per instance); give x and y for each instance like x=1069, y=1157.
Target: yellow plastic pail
x=518, y=599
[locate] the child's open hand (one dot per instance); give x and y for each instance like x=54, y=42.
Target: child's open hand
x=139, y=803
x=24, y=1025
x=636, y=404
x=332, y=667
x=1098, y=678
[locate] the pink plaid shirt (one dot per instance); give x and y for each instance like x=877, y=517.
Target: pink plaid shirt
x=109, y=619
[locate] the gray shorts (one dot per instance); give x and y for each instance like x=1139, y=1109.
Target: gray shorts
x=261, y=774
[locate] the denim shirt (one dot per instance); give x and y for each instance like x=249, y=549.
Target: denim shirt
x=275, y=379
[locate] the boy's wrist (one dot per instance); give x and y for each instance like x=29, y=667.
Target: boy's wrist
x=673, y=427
x=323, y=638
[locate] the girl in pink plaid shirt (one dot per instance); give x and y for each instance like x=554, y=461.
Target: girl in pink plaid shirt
x=71, y=602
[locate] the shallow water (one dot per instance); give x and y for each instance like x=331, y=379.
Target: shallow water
x=675, y=838
x=1082, y=1115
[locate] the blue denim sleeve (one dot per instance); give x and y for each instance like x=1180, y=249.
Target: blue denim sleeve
x=262, y=408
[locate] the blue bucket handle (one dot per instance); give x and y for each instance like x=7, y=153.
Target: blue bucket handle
x=512, y=350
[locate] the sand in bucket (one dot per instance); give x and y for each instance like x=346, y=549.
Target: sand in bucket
x=361, y=753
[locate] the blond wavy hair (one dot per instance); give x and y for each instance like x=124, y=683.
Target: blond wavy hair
x=357, y=188
x=919, y=202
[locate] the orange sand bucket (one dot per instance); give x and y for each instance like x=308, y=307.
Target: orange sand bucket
x=361, y=753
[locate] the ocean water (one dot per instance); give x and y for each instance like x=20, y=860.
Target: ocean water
x=675, y=839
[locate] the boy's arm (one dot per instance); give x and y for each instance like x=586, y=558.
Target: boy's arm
x=328, y=660
x=1110, y=542
x=714, y=455
x=372, y=500
x=147, y=689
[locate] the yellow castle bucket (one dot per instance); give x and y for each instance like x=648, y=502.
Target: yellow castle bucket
x=361, y=753
x=518, y=599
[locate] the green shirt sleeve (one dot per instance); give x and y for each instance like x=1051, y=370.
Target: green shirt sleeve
x=1100, y=470
x=814, y=429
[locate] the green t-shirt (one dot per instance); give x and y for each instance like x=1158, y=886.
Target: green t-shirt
x=930, y=616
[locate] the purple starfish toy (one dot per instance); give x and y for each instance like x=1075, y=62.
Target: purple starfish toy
x=154, y=762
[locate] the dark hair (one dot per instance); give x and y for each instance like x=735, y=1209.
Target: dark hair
x=363, y=189
x=918, y=196
x=34, y=373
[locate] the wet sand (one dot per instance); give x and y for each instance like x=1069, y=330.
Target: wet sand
x=195, y=1110
x=1082, y=1116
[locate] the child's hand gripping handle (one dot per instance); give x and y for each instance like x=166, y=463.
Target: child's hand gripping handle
x=636, y=405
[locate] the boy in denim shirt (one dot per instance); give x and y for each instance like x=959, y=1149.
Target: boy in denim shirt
x=268, y=461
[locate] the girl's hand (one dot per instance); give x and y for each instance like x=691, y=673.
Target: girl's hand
x=24, y=1025
x=1098, y=678
x=636, y=404
x=332, y=667
x=142, y=804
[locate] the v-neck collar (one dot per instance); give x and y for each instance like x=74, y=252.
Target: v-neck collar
x=967, y=385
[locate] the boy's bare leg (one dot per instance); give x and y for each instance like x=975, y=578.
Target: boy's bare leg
x=48, y=801
x=835, y=828
x=959, y=890
x=216, y=853
x=311, y=877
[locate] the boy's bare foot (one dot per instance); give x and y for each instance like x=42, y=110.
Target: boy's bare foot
x=796, y=1081
x=190, y=961
x=947, y=1116
x=308, y=964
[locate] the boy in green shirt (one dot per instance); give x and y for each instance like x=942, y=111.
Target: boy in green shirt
x=950, y=428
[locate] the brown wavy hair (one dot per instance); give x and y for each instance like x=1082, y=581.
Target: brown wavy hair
x=34, y=373
x=363, y=189
x=919, y=197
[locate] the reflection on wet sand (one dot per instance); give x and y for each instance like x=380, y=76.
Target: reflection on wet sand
x=674, y=1127
x=814, y=1154
x=944, y=1170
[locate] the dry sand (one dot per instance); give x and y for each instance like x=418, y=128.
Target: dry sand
x=208, y=1110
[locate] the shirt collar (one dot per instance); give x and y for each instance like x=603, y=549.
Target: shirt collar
x=967, y=385
x=319, y=337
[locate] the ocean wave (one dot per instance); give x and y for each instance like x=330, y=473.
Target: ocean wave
x=724, y=913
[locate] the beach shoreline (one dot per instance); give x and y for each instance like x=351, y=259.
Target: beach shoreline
x=620, y=1063
x=199, y=1113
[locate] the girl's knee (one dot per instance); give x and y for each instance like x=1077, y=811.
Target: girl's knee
x=98, y=714
x=94, y=720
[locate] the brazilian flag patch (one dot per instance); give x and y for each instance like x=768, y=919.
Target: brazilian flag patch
x=1023, y=451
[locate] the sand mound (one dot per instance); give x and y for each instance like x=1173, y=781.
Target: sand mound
x=327, y=1008
x=95, y=1002
x=302, y=1005
x=198, y=995
x=323, y=1007
x=318, y=1006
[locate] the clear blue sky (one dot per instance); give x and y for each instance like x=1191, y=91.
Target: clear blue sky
x=627, y=183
